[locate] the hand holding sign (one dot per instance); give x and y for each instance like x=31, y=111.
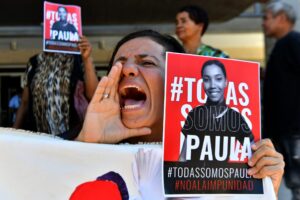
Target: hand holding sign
x=62, y=28
x=85, y=48
x=266, y=161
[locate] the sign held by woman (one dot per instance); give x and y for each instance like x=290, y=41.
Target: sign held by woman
x=62, y=28
x=212, y=117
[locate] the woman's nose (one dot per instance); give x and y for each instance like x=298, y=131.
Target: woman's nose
x=212, y=84
x=130, y=69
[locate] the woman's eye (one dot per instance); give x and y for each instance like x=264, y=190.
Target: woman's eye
x=219, y=78
x=148, y=63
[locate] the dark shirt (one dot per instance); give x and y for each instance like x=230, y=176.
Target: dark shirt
x=215, y=120
x=206, y=50
x=281, y=97
x=63, y=31
x=63, y=26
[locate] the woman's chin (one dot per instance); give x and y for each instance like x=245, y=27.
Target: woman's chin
x=133, y=123
x=145, y=121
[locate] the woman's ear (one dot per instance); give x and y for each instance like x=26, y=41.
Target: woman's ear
x=282, y=17
x=200, y=28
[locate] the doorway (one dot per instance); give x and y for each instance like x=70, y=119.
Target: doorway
x=9, y=86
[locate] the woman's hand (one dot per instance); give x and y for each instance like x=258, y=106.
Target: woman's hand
x=90, y=75
x=103, y=122
x=266, y=161
x=85, y=48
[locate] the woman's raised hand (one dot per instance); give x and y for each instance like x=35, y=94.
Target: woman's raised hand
x=103, y=123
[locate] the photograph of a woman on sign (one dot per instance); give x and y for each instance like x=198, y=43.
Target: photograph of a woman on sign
x=211, y=130
x=62, y=29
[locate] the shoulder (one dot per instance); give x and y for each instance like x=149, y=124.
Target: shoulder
x=207, y=50
x=56, y=24
x=33, y=58
x=294, y=35
x=230, y=110
x=71, y=27
x=233, y=112
x=32, y=65
x=32, y=62
x=37, y=58
x=198, y=109
x=292, y=38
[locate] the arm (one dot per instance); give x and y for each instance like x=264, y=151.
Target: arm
x=23, y=109
x=266, y=161
x=90, y=76
x=103, y=123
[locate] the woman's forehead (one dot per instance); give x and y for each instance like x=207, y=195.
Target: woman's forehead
x=140, y=46
x=213, y=68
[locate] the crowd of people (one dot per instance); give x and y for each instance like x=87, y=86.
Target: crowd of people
x=50, y=97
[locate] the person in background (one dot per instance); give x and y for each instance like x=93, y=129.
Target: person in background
x=50, y=96
x=14, y=104
x=191, y=24
x=281, y=96
x=128, y=103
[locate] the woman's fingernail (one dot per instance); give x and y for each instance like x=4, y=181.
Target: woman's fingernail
x=250, y=163
x=250, y=171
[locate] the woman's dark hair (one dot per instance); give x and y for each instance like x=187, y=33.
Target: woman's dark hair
x=168, y=42
x=197, y=14
x=214, y=62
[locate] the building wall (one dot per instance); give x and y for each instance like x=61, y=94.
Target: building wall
x=240, y=37
x=244, y=46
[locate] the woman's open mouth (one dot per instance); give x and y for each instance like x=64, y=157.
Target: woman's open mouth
x=132, y=97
